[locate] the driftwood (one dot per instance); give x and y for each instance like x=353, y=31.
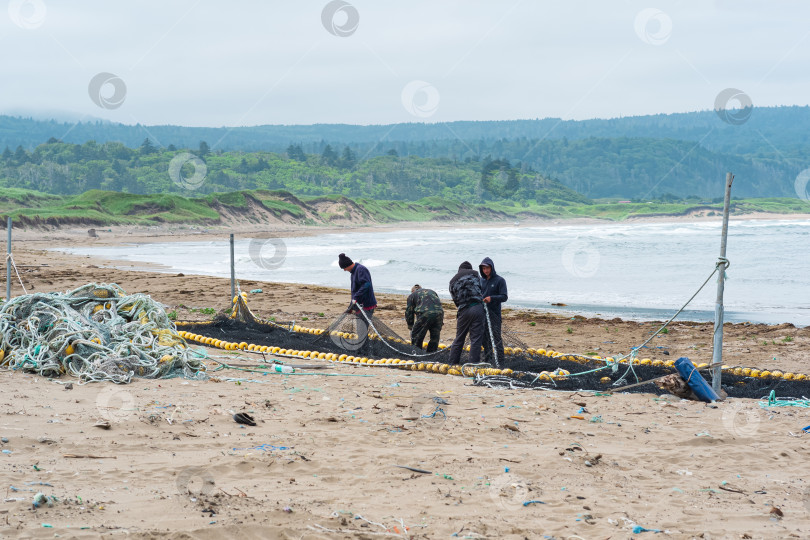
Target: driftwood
x=676, y=386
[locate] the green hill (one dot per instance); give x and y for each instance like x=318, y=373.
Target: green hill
x=71, y=169
x=263, y=208
x=632, y=158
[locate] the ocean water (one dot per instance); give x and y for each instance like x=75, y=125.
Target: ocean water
x=638, y=271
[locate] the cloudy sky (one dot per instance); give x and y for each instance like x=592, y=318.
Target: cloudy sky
x=215, y=63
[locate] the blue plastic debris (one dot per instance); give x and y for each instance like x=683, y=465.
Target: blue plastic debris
x=639, y=529
x=527, y=503
x=266, y=447
x=695, y=380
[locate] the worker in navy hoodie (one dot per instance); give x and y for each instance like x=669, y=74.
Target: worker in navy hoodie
x=493, y=290
x=362, y=289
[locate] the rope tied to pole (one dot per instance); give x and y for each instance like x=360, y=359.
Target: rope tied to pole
x=723, y=263
x=10, y=259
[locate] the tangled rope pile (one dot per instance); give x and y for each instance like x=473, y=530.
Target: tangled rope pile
x=96, y=333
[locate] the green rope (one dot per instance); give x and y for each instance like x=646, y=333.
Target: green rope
x=233, y=379
x=330, y=374
x=773, y=401
x=223, y=365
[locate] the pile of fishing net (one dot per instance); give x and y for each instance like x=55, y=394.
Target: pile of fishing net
x=96, y=333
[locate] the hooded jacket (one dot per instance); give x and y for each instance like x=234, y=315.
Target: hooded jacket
x=494, y=287
x=465, y=287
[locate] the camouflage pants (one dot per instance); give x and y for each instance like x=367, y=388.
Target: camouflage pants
x=432, y=323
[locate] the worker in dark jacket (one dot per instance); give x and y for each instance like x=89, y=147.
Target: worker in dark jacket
x=465, y=288
x=362, y=289
x=424, y=314
x=493, y=290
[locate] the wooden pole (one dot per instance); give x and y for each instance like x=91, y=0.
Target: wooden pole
x=8, y=261
x=233, y=272
x=717, y=349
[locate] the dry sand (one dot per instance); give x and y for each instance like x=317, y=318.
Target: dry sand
x=321, y=463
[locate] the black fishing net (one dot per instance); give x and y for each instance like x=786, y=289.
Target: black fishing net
x=582, y=377
x=360, y=338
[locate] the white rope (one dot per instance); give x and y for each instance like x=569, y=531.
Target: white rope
x=383, y=340
x=10, y=258
x=721, y=261
x=492, y=338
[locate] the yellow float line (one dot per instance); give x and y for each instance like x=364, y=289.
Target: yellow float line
x=435, y=367
x=455, y=370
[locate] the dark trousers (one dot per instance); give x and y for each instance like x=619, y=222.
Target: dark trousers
x=495, y=325
x=468, y=320
x=432, y=323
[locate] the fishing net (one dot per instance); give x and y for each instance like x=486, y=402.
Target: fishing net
x=358, y=338
x=96, y=333
x=352, y=334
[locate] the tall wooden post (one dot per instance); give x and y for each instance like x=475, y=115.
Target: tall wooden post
x=717, y=350
x=8, y=261
x=233, y=272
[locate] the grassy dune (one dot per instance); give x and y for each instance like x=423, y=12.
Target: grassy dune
x=104, y=208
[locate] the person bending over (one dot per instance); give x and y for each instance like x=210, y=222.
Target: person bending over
x=424, y=314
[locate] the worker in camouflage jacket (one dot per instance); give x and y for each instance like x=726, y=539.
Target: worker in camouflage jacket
x=424, y=314
x=465, y=288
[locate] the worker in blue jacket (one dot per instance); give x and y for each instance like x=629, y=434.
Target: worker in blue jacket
x=493, y=289
x=362, y=289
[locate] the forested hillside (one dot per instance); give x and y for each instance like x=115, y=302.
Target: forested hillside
x=631, y=158
x=66, y=169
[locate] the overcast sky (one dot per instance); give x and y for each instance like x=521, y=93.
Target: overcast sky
x=215, y=63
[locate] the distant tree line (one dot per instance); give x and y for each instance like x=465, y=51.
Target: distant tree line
x=66, y=169
x=679, y=155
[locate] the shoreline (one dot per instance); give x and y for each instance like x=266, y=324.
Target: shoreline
x=121, y=235
x=77, y=239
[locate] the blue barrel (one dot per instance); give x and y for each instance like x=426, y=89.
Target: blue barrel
x=695, y=380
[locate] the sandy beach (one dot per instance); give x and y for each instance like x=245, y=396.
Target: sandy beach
x=326, y=457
